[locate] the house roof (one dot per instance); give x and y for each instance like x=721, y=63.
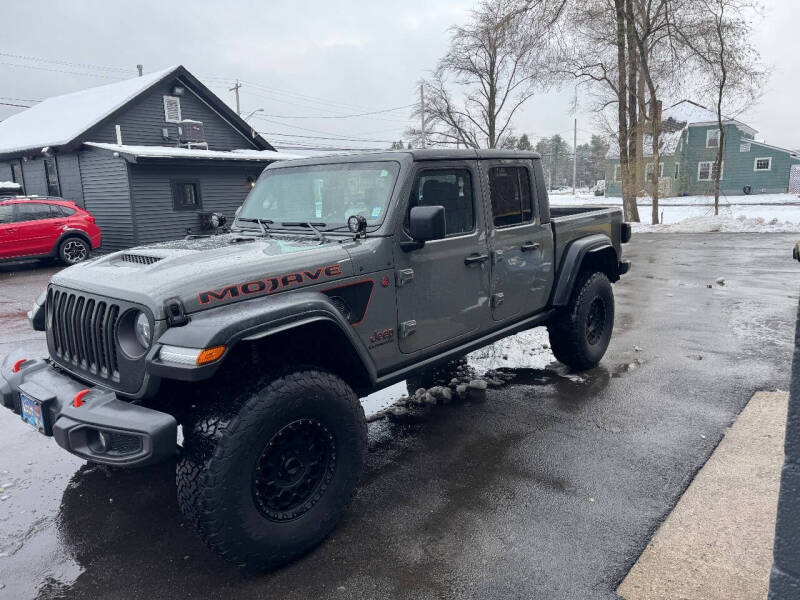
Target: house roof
x=674, y=121
x=61, y=120
x=132, y=153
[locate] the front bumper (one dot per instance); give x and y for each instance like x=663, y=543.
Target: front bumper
x=101, y=428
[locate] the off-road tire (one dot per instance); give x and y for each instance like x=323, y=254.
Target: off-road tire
x=573, y=341
x=218, y=471
x=73, y=250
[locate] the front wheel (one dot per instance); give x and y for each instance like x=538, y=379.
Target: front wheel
x=268, y=481
x=580, y=332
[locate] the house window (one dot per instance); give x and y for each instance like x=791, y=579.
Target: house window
x=763, y=164
x=706, y=170
x=712, y=138
x=510, y=190
x=172, y=109
x=51, y=174
x=648, y=170
x=677, y=170
x=616, y=172
x=186, y=195
x=16, y=176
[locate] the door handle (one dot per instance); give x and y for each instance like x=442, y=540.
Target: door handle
x=475, y=259
x=530, y=246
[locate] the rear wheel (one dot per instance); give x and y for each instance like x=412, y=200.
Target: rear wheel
x=580, y=332
x=267, y=481
x=73, y=250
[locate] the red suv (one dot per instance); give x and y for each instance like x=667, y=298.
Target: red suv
x=46, y=227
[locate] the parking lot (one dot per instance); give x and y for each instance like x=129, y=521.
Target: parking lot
x=551, y=489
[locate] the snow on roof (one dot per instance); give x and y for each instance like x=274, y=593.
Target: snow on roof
x=175, y=152
x=60, y=119
x=674, y=120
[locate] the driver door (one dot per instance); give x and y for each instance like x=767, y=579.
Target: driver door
x=443, y=287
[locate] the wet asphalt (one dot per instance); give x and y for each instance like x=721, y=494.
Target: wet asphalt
x=550, y=489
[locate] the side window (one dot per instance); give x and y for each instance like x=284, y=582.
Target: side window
x=6, y=214
x=30, y=211
x=186, y=195
x=451, y=188
x=61, y=211
x=510, y=189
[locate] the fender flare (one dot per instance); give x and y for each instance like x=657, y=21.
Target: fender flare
x=72, y=233
x=571, y=264
x=254, y=320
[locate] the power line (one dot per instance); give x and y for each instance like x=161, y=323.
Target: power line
x=9, y=104
x=374, y=112
x=316, y=137
x=38, y=68
x=64, y=62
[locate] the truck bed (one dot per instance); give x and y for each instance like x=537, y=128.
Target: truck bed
x=572, y=222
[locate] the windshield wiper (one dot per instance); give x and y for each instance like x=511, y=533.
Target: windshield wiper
x=312, y=226
x=263, y=224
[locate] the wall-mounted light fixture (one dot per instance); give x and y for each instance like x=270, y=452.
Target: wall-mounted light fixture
x=251, y=181
x=178, y=90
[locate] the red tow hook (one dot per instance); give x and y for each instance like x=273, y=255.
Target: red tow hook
x=77, y=401
x=18, y=365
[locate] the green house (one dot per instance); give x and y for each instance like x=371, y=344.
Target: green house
x=688, y=149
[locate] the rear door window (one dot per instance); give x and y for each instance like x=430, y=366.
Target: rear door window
x=31, y=211
x=6, y=214
x=510, y=190
x=452, y=189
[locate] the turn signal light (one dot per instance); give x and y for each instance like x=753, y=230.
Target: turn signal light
x=210, y=355
x=18, y=365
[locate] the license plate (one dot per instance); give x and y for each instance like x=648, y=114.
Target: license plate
x=32, y=412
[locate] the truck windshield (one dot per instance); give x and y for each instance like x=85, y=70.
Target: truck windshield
x=328, y=194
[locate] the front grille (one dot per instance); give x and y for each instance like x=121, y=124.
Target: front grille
x=82, y=330
x=140, y=259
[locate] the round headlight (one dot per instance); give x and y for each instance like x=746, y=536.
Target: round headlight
x=142, y=329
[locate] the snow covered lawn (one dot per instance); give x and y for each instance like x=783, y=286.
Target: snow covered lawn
x=760, y=213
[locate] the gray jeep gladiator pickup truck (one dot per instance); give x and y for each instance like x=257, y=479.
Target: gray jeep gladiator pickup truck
x=339, y=276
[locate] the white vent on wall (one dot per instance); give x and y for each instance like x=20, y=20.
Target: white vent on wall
x=172, y=109
x=744, y=147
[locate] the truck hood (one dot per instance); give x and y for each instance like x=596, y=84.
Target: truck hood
x=210, y=271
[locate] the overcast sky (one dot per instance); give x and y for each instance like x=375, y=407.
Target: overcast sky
x=310, y=59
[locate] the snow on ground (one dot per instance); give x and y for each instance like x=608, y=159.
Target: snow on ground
x=759, y=213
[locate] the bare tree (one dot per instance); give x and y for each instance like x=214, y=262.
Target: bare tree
x=488, y=73
x=717, y=34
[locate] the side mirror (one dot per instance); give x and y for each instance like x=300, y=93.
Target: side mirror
x=425, y=223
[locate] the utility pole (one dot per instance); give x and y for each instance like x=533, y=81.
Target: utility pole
x=139, y=68
x=422, y=112
x=575, y=143
x=235, y=90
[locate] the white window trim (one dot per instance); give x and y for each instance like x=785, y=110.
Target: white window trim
x=709, y=133
x=649, y=168
x=755, y=163
x=616, y=173
x=677, y=170
x=166, y=112
x=710, y=170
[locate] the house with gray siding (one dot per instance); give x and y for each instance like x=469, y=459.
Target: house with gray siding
x=149, y=157
x=688, y=145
